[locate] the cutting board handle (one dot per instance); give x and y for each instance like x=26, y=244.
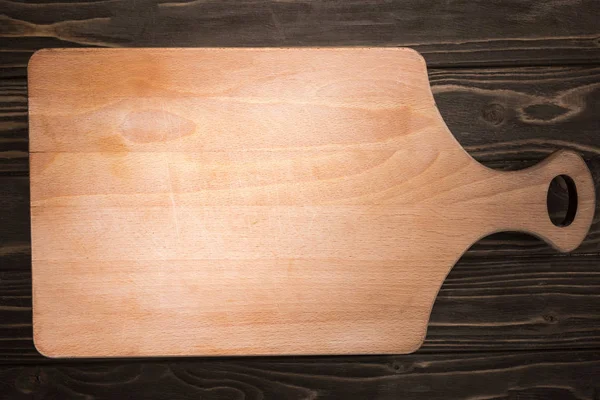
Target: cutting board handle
x=523, y=205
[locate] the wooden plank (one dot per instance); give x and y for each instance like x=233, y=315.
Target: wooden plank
x=495, y=376
x=485, y=33
x=487, y=304
x=13, y=127
x=557, y=30
x=15, y=234
x=16, y=343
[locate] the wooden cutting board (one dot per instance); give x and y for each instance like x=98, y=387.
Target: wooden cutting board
x=257, y=201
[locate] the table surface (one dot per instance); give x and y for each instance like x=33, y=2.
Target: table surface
x=514, y=80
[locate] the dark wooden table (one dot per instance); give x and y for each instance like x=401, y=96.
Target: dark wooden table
x=515, y=80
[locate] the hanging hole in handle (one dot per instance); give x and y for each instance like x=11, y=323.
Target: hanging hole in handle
x=562, y=200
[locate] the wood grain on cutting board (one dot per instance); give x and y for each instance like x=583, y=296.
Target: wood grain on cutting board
x=255, y=201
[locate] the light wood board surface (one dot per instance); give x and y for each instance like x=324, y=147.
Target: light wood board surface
x=256, y=201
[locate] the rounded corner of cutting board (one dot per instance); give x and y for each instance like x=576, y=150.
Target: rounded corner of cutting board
x=416, y=55
x=38, y=57
x=42, y=345
x=33, y=60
